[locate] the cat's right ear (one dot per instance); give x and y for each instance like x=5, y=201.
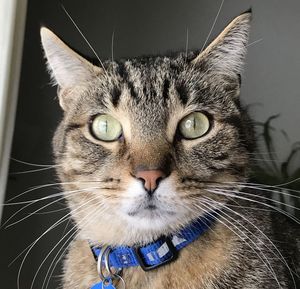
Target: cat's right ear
x=67, y=68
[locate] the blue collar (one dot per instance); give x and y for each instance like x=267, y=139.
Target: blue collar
x=162, y=251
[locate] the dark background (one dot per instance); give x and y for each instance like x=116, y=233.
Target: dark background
x=271, y=79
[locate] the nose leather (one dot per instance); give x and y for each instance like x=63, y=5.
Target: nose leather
x=151, y=178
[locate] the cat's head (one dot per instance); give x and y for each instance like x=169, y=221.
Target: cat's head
x=144, y=141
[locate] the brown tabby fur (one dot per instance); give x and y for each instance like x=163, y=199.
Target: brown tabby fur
x=149, y=96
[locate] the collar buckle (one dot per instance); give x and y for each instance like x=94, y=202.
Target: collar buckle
x=172, y=250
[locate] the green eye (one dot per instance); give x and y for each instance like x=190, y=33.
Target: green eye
x=106, y=128
x=194, y=125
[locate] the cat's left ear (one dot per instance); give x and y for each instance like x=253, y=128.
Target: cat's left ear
x=227, y=52
x=67, y=68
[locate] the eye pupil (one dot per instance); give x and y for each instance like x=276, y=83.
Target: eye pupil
x=106, y=126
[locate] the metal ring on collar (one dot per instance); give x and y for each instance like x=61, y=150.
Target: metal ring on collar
x=104, y=257
x=102, y=254
x=107, y=265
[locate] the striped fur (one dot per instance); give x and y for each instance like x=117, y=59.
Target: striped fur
x=149, y=96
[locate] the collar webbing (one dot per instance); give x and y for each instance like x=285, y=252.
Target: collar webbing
x=160, y=252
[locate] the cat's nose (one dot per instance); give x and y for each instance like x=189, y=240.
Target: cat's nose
x=151, y=179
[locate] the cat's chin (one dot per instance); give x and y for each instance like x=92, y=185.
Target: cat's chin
x=140, y=228
x=149, y=212
x=150, y=218
x=151, y=223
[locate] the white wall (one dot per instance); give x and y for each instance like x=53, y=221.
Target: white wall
x=12, y=23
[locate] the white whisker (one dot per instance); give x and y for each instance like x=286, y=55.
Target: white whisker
x=213, y=26
x=266, y=189
x=187, y=43
x=32, y=171
x=218, y=192
x=30, y=247
x=52, y=211
x=263, y=198
x=61, y=240
x=263, y=258
x=259, y=185
x=33, y=164
x=47, y=186
x=279, y=256
x=112, y=45
x=65, y=250
x=79, y=191
x=82, y=35
x=254, y=42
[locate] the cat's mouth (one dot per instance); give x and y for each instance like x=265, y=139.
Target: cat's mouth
x=149, y=210
x=151, y=207
x=157, y=210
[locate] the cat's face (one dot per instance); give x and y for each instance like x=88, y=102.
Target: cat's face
x=143, y=139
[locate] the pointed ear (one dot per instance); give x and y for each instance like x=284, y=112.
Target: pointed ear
x=67, y=68
x=227, y=52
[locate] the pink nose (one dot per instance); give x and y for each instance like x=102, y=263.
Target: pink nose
x=151, y=178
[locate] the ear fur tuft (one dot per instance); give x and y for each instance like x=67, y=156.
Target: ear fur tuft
x=66, y=67
x=227, y=52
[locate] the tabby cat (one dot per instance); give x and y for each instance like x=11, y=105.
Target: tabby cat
x=149, y=146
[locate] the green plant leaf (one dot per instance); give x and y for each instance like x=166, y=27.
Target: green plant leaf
x=291, y=156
